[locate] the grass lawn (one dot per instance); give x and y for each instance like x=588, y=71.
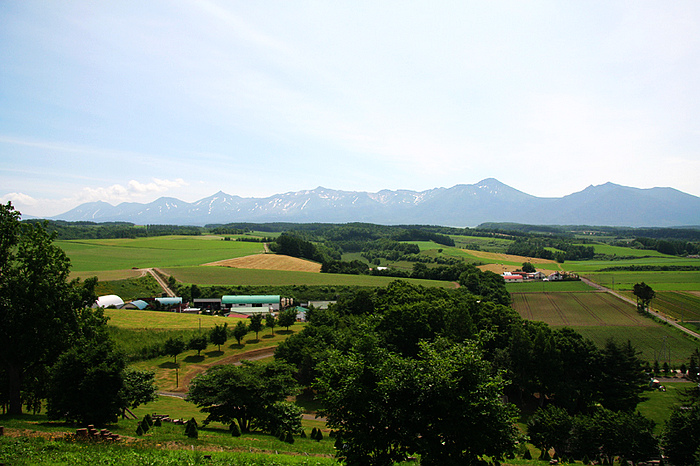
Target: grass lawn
x=658, y=404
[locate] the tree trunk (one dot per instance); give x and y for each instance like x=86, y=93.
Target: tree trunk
x=15, y=376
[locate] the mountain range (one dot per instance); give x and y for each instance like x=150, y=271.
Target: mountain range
x=462, y=205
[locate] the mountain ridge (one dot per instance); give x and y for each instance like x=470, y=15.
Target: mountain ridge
x=489, y=200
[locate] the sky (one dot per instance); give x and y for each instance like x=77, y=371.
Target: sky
x=129, y=101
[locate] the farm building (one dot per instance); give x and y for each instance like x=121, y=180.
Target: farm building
x=208, y=304
x=138, y=304
x=513, y=278
x=251, y=304
x=109, y=300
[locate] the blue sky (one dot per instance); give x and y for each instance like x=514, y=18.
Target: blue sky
x=131, y=100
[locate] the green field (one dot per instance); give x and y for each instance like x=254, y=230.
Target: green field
x=542, y=286
x=679, y=305
x=161, y=251
x=658, y=280
x=254, y=277
x=600, y=316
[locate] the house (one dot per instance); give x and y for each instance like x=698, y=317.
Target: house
x=513, y=278
x=555, y=276
x=139, y=304
x=539, y=275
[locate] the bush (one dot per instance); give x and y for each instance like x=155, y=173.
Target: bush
x=191, y=429
x=235, y=430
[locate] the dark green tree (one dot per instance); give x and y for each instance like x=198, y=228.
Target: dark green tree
x=240, y=331
x=270, y=322
x=86, y=384
x=198, y=342
x=384, y=406
x=218, y=335
x=256, y=324
x=681, y=435
x=622, y=379
x=287, y=318
x=644, y=294
x=139, y=388
x=174, y=346
x=528, y=267
x=38, y=306
x=245, y=394
x=550, y=427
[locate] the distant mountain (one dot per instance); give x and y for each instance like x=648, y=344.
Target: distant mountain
x=463, y=205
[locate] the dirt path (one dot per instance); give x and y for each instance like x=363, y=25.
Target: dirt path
x=160, y=281
x=196, y=369
x=658, y=315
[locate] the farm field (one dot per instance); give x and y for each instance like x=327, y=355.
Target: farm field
x=553, y=286
x=270, y=262
x=600, y=316
x=254, y=277
x=677, y=304
x=658, y=280
x=161, y=251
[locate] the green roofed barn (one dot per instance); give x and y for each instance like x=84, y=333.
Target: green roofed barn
x=251, y=304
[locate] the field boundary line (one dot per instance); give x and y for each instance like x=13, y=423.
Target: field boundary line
x=558, y=309
x=595, y=316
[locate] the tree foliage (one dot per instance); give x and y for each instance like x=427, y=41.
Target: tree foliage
x=244, y=394
x=445, y=405
x=218, y=335
x=38, y=306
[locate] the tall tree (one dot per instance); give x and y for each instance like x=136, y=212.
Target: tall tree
x=287, y=318
x=218, y=335
x=240, y=331
x=244, y=394
x=644, y=294
x=174, y=346
x=256, y=324
x=270, y=322
x=198, y=343
x=385, y=406
x=38, y=306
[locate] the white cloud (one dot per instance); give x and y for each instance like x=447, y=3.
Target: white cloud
x=133, y=191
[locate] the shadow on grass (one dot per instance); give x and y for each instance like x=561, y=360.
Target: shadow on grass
x=214, y=354
x=252, y=342
x=169, y=365
x=285, y=332
x=194, y=359
x=268, y=336
x=235, y=346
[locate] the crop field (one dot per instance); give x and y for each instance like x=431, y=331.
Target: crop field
x=547, y=287
x=270, y=262
x=253, y=277
x=607, y=249
x=578, y=309
x=679, y=305
x=596, y=265
x=162, y=251
x=658, y=280
x=600, y=316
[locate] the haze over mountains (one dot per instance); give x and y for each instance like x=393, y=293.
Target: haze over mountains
x=462, y=205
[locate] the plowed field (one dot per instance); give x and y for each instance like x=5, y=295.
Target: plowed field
x=270, y=262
